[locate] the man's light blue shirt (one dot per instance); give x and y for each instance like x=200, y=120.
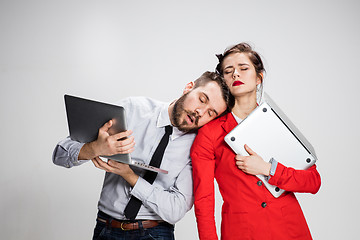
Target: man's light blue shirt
x=171, y=195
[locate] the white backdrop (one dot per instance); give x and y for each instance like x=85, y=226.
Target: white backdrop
x=110, y=49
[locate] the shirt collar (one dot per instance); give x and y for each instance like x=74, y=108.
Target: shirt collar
x=164, y=120
x=238, y=120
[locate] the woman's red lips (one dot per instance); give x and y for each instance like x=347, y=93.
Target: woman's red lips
x=237, y=83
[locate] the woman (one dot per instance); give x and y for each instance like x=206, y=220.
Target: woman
x=249, y=210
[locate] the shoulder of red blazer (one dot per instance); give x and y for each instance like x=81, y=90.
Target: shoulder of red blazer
x=226, y=122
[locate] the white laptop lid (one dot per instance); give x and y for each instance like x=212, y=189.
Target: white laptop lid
x=271, y=134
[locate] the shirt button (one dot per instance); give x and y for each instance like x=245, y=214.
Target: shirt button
x=259, y=183
x=263, y=204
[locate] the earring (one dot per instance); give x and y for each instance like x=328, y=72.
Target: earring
x=258, y=87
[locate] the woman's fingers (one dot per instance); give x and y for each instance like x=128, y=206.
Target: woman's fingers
x=249, y=150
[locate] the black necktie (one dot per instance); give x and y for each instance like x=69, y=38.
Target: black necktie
x=132, y=208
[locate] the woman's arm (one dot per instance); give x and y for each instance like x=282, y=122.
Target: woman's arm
x=286, y=178
x=293, y=180
x=203, y=161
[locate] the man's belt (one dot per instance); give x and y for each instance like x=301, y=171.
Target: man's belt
x=126, y=225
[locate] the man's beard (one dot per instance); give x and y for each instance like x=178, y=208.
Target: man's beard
x=177, y=113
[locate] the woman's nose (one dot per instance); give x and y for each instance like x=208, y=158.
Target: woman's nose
x=236, y=74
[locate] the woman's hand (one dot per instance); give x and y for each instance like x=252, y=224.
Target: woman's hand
x=253, y=164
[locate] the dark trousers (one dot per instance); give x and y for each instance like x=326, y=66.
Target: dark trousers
x=163, y=231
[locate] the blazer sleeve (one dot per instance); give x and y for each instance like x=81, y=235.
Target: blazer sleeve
x=203, y=161
x=293, y=180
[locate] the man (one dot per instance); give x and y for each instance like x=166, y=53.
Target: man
x=165, y=200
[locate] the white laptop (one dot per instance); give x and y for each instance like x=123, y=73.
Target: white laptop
x=269, y=133
x=85, y=117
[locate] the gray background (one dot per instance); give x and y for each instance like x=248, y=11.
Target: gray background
x=107, y=50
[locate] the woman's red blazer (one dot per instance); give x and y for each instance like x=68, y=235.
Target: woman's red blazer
x=249, y=210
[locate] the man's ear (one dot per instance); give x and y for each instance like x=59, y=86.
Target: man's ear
x=188, y=87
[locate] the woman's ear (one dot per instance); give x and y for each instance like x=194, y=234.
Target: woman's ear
x=188, y=87
x=260, y=78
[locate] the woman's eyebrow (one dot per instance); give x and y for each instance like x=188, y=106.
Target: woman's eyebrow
x=240, y=64
x=228, y=67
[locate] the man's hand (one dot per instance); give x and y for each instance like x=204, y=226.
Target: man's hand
x=107, y=145
x=118, y=168
x=253, y=164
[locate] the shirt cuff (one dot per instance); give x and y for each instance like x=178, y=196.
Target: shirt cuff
x=142, y=189
x=274, y=164
x=70, y=149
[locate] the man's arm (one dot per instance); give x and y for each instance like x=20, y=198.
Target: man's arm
x=66, y=153
x=69, y=153
x=170, y=204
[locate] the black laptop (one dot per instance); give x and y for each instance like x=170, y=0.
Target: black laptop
x=85, y=117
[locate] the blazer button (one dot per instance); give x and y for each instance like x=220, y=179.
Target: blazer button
x=263, y=204
x=259, y=183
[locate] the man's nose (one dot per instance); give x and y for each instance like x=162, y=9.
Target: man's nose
x=200, y=112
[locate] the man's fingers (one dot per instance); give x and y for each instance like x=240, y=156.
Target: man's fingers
x=96, y=164
x=122, y=146
x=125, y=145
x=121, y=135
x=125, y=151
x=114, y=163
x=101, y=164
x=106, y=126
x=125, y=142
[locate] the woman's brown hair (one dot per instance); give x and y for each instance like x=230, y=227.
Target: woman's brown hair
x=253, y=56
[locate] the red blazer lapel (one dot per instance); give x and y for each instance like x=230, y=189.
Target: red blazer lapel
x=229, y=122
